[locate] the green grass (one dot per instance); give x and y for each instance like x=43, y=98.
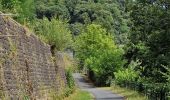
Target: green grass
x=127, y=93
x=80, y=95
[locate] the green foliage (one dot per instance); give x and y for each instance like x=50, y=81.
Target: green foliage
x=131, y=79
x=51, y=8
x=149, y=42
x=128, y=93
x=107, y=14
x=80, y=95
x=56, y=32
x=104, y=65
x=127, y=75
x=24, y=9
x=167, y=76
x=70, y=82
x=70, y=79
x=27, y=13
x=12, y=5
x=94, y=38
x=97, y=51
x=77, y=28
x=149, y=38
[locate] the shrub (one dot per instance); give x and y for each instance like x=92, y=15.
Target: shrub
x=25, y=9
x=124, y=76
x=70, y=82
x=129, y=78
x=55, y=31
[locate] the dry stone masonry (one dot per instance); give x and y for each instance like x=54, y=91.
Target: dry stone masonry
x=27, y=68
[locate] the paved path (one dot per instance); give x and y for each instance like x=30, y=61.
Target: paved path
x=98, y=93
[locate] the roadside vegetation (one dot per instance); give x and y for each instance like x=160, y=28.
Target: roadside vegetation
x=80, y=95
x=128, y=94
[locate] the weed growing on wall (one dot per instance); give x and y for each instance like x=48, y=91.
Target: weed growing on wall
x=2, y=95
x=70, y=81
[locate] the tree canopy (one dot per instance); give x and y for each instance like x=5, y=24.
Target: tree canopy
x=97, y=51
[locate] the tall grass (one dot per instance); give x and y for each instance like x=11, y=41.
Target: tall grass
x=127, y=93
x=80, y=95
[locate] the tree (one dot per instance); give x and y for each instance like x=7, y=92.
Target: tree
x=97, y=51
x=51, y=8
x=10, y=5
x=108, y=14
x=149, y=38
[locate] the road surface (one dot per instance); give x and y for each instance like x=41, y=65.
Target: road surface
x=99, y=94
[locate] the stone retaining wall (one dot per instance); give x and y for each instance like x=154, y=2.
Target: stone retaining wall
x=26, y=64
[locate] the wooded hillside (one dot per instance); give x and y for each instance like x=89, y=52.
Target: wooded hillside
x=125, y=42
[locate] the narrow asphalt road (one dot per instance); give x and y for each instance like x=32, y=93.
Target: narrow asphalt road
x=98, y=93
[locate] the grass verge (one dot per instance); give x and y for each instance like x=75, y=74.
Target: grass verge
x=80, y=95
x=127, y=93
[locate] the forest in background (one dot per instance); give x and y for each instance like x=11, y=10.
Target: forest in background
x=124, y=42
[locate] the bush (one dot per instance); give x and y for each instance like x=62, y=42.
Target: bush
x=70, y=82
x=55, y=32
x=129, y=78
x=127, y=75
x=105, y=65
x=25, y=9
x=122, y=77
